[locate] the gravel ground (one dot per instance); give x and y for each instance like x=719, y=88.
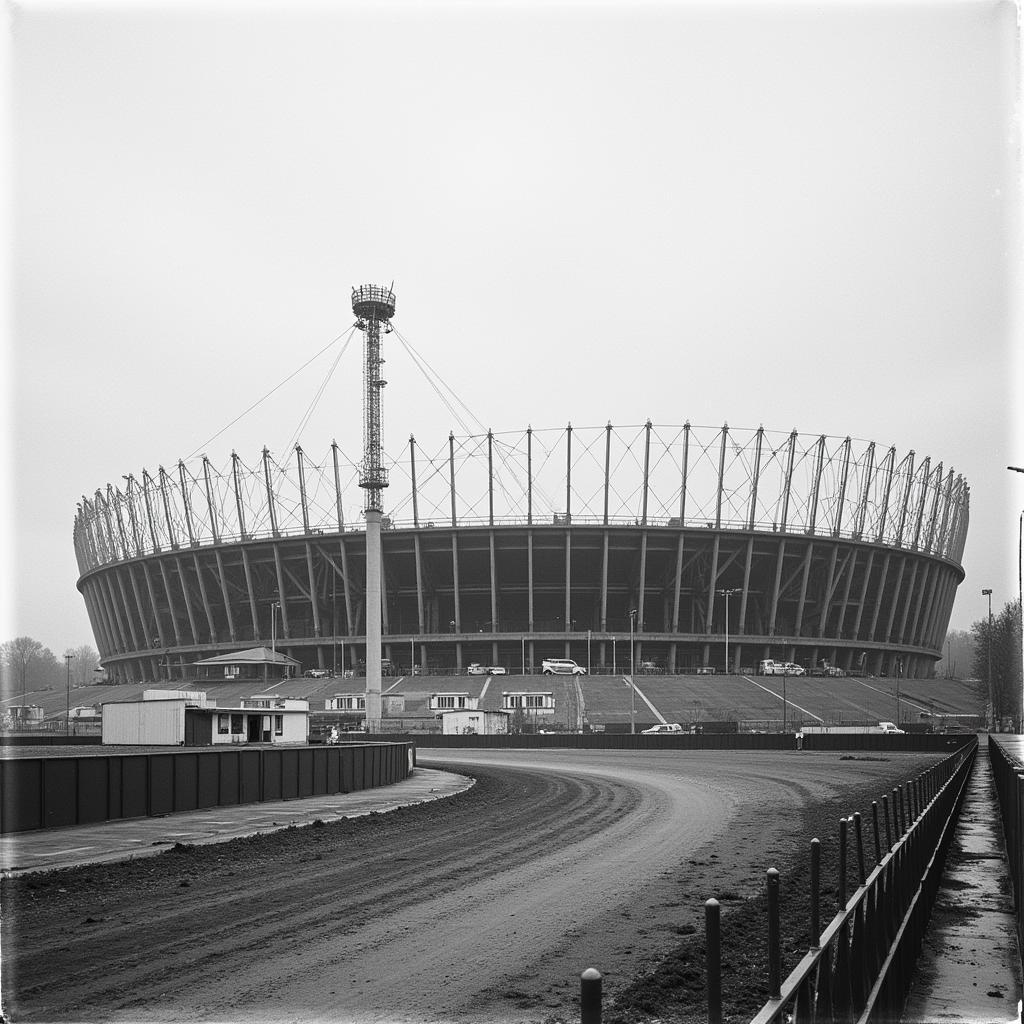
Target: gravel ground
x=484, y=907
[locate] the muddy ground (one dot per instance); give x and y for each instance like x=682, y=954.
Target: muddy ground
x=484, y=907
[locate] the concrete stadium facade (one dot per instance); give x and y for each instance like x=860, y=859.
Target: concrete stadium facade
x=509, y=548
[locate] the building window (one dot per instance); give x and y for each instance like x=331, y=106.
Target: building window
x=446, y=702
x=222, y=724
x=236, y=725
x=278, y=725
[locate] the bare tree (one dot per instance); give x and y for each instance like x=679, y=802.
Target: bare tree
x=84, y=662
x=19, y=654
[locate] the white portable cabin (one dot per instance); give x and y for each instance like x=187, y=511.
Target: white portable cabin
x=472, y=722
x=178, y=718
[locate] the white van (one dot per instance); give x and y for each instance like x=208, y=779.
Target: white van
x=561, y=666
x=665, y=729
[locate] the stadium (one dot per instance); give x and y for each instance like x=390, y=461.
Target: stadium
x=685, y=548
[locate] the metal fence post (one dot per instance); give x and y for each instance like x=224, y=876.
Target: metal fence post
x=842, y=863
x=713, y=936
x=860, y=847
x=888, y=825
x=878, y=838
x=774, y=937
x=590, y=996
x=815, y=893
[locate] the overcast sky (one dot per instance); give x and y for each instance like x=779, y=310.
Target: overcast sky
x=798, y=216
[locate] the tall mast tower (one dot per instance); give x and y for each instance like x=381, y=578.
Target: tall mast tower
x=373, y=306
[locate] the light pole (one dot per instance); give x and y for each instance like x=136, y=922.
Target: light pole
x=783, y=703
x=614, y=669
x=1020, y=593
x=522, y=641
x=590, y=634
x=991, y=704
x=274, y=605
x=632, y=668
x=734, y=590
x=67, y=719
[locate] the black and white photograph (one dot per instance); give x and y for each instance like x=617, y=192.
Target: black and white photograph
x=512, y=512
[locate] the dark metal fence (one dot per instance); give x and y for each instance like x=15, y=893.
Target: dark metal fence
x=859, y=967
x=53, y=792
x=861, y=964
x=1008, y=777
x=925, y=743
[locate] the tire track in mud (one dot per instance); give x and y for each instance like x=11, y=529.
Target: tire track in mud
x=210, y=928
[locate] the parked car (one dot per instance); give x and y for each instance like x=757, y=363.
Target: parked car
x=476, y=669
x=561, y=666
x=665, y=729
x=316, y=673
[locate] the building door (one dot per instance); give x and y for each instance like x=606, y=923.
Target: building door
x=253, y=728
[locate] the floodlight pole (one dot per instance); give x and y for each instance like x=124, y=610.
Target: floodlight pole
x=734, y=590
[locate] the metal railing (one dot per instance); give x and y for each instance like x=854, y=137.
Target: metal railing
x=859, y=967
x=1008, y=777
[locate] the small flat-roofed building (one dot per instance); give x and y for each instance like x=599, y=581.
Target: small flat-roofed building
x=184, y=718
x=257, y=664
x=474, y=722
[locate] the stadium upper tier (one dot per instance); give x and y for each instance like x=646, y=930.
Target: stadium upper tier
x=654, y=476
x=510, y=548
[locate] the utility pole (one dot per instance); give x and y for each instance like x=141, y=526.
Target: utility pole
x=67, y=719
x=991, y=704
x=632, y=666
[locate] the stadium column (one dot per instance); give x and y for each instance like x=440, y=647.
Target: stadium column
x=901, y=633
x=741, y=625
x=879, y=597
x=801, y=604
x=849, y=571
x=712, y=580
x=777, y=588
x=927, y=582
x=222, y=576
x=138, y=597
x=830, y=582
x=112, y=612
x=313, y=603
x=126, y=605
x=207, y=607
x=250, y=590
x=152, y=601
x=279, y=571
x=863, y=593
x=94, y=600
x=340, y=514
x=171, y=609
x=188, y=603
x=897, y=589
x=935, y=626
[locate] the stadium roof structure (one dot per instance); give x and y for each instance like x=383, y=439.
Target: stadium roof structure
x=253, y=656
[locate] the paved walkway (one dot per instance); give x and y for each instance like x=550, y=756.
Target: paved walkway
x=969, y=971
x=21, y=852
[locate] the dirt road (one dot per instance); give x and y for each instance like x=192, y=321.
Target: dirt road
x=485, y=907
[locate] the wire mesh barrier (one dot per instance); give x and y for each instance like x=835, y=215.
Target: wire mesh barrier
x=1008, y=777
x=859, y=967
